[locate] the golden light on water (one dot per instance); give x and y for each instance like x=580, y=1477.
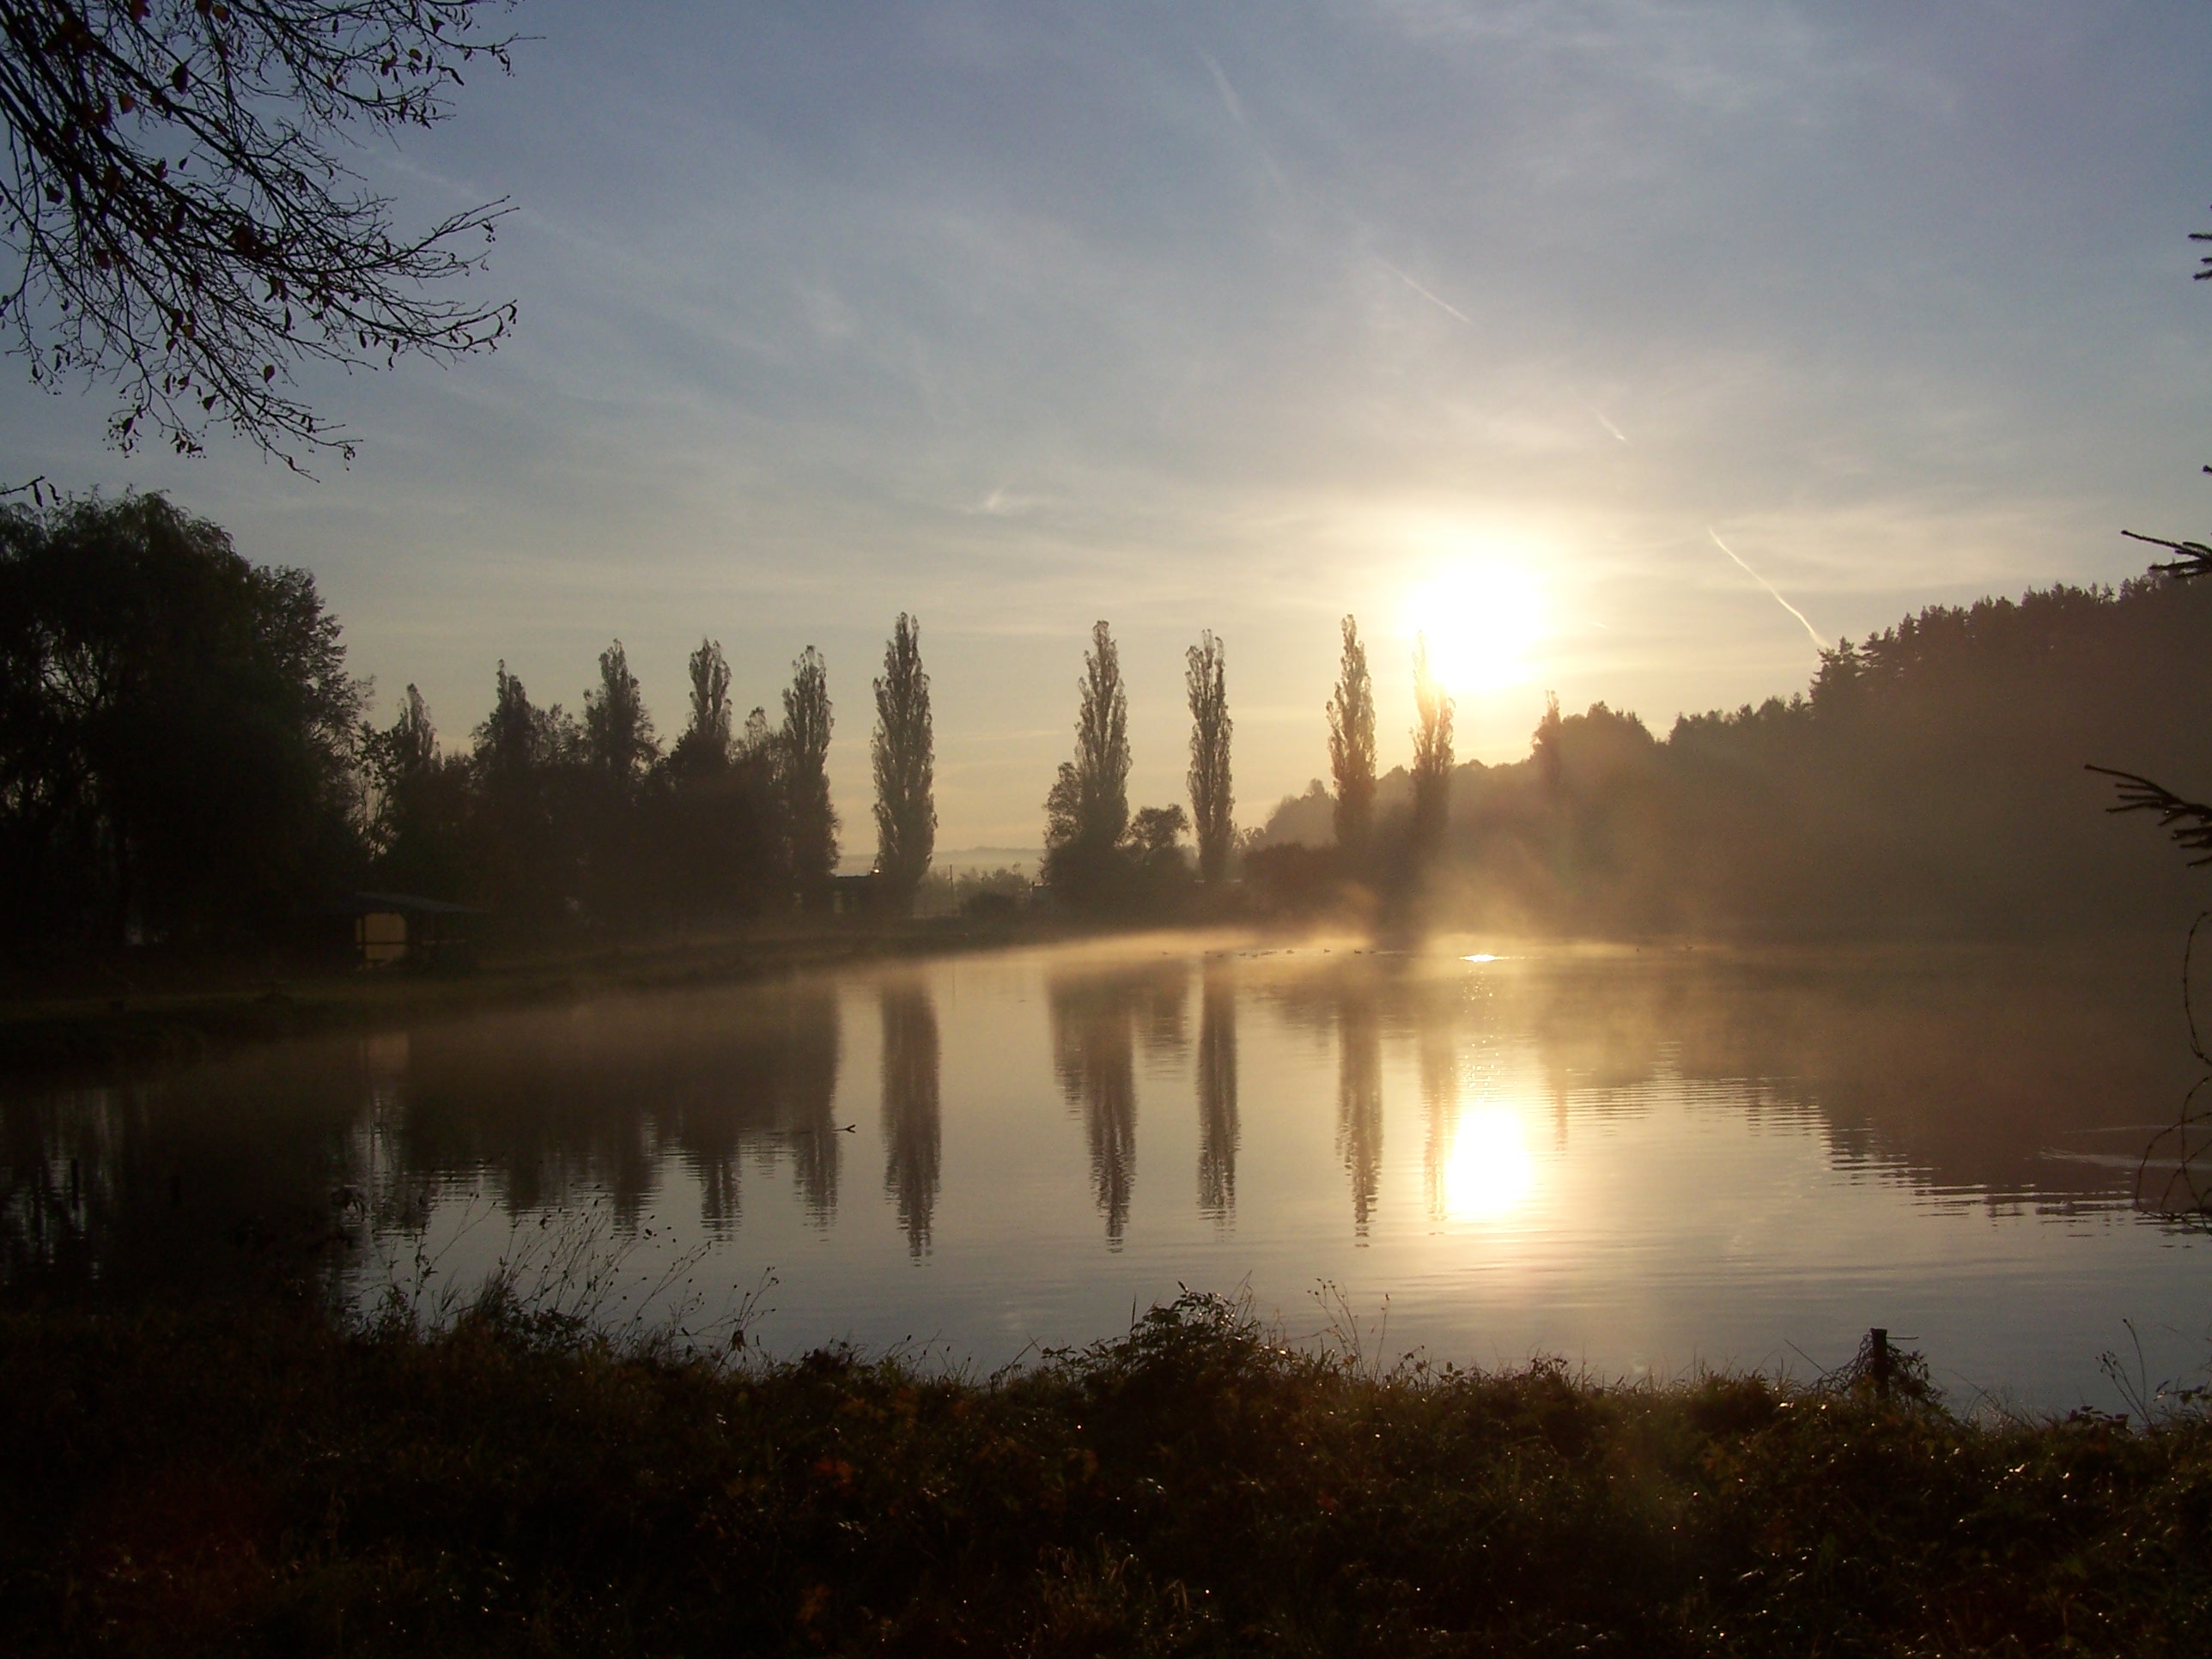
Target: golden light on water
x=1484, y=615
x=1489, y=1172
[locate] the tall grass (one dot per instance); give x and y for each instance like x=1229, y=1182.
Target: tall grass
x=260, y=1481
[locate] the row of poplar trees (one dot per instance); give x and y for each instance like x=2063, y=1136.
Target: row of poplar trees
x=1099, y=853
x=546, y=816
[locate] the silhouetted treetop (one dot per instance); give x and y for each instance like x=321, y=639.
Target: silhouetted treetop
x=904, y=753
x=618, y=736
x=707, y=741
x=1433, y=751
x=1352, y=744
x=803, y=753
x=1212, y=799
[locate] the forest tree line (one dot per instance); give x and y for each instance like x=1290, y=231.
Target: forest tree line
x=1929, y=781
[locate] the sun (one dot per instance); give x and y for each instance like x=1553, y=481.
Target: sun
x=1484, y=618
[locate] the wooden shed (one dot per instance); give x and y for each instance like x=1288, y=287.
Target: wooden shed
x=389, y=928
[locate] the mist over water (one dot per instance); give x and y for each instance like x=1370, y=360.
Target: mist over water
x=1639, y=1160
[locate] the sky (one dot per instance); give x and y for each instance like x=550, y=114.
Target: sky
x=1623, y=349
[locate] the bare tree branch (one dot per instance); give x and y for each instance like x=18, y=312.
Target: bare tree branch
x=182, y=225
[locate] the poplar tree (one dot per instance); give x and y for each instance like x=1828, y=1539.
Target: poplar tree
x=905, y=757
x=706, y=740
x=805, y=745
x=1432, y=752
x=1089, y=806
x=1351, y=746
x=618, y=737
x=1206, y=679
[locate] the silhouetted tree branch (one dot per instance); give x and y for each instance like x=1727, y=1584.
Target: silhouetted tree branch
x=182, y=224
x=2195, y=558
x=2189, y=821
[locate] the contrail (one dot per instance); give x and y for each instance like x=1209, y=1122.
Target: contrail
x=1448, y=306
x=1424, y=293
x=1229, y=98
x=1811, y=633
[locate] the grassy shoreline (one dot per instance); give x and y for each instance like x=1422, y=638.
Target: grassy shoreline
x=258, y=1479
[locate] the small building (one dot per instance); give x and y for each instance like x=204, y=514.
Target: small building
x=389, y=928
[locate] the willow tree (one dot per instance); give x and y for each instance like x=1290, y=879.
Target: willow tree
x=1089, y=806
x=1206, y=679
x=1351, y=746
x=906, y=763
x=803, y=747
x=1432, y=753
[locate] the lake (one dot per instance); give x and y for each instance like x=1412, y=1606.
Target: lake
x=1640, y=1161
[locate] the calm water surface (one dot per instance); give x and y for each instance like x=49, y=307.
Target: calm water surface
x=1638, y=1161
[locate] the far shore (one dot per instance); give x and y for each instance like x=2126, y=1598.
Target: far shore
x=154, y=1012
x=132, y=1013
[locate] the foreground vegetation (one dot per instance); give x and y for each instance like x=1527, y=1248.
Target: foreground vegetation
x=264, y=1481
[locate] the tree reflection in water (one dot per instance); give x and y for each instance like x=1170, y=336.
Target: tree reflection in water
x=811, y=1083
x=1359, y=1094
x=1218, y=1128
x=912, y=1134
x=1436, y=1045
x=1097, y=1017
x=2010, y=1078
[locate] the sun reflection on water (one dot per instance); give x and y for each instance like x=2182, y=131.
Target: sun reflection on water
x=1489, y=1172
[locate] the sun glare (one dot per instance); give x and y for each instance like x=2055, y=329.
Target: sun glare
x=1484, y=618
x=1488, y=1173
